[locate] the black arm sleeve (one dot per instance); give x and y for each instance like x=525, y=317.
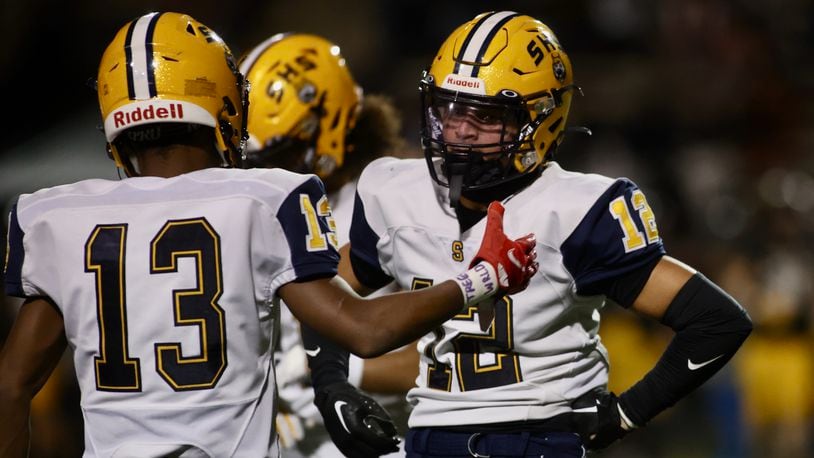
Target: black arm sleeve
x=710, y=326
x=327, y=360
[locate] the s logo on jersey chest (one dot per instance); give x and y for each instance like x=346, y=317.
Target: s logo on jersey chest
x=458, y=250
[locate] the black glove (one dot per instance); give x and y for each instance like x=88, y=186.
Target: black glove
x=609, y=423
x=358, y=425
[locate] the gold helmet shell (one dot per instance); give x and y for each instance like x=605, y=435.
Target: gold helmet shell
x=511, y=67
x=303, y=94
x=169, y=68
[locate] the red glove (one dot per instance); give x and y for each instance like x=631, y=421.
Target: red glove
x=501, y=267
x=514, y=260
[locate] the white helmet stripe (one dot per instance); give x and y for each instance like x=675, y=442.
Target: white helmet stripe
x=479, y=38
x=249, y=61
x=139, y=51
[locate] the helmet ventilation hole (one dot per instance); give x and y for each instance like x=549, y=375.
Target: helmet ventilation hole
x=555, y=124
x=335, y=121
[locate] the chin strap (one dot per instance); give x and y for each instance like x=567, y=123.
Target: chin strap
x=455, y=172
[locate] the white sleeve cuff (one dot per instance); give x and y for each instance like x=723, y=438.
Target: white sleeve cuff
x=478, y=283
x=356, y=367
x=627, y=425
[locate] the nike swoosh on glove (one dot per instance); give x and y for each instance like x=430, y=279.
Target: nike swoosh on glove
x=357, y=424
x=609, y=422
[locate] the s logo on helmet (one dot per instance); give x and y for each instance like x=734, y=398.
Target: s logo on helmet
x=463, y=83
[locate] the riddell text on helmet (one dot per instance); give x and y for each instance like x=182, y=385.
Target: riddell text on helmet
x=460, y=82
x=124, y=118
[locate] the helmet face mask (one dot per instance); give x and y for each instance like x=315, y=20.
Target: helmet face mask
x=494, y=103
x=476, y=136
x=169, y=68
x=304, y=103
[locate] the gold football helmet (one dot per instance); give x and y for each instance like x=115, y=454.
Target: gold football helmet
x=504, y=72
x=303, y=104
x=170, y=68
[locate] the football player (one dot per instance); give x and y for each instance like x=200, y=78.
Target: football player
x=495, y=104
x=166, y=284
x=308, y=115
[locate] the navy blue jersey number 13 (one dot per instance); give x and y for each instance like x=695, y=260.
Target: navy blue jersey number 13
x=116, y=368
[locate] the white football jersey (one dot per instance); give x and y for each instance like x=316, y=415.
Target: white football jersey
x=542, y=350
x=167, y=288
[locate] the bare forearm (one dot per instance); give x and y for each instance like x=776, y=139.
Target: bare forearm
x=394, y=372
x=370, y=328
x=14, y=434
x=31, y=352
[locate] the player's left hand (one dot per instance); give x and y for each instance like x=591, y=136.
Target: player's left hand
x=358, y=425
x=609, y=423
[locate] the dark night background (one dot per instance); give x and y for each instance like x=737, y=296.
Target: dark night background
x=706, y=104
